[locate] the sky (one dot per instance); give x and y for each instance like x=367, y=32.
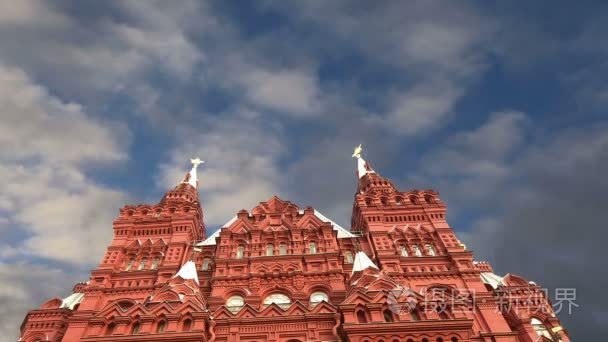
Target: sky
x=499, y=106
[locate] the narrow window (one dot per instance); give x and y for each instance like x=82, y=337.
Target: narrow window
x=142, y=264
x=430, y=249
x=403, y=250
x=161, y=326
x=349, y=257
x=282, y=249
x=361, y=318
x=110, y=329
x=130, y=264
x=240, y=252
x=388, y=316
x=417, y=250
x=415, y=315
x=155, y=262
x=206, y=263
x=187, y=324
x=269, y=249
x=135, y=329
x=312, y=248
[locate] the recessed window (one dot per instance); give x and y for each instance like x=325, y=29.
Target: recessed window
x=430, y=250
x=135, y=328
x=110, y=329
x=417, y=251
x=282, y=249
x=279, y=299
x=348, y=255
x=142, y=264
x=129, y=264
x=388, y=316
x=161, y=326
x=206, y=263
x=269, y=249
x=235, y=303
x=318, y=297
x=312, y=248
x=403, y=250
x=155, y=262
x=240, y=252
x=187, y=324
x=361, y=317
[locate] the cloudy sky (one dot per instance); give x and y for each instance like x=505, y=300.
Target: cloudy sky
x=501, y=108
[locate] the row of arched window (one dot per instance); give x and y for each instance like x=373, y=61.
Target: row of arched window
x=415, y=250
x=439, y=339
x=270, y=250
x=142, y=263
x=236, y=302
x=400, y=200
x=159, y=327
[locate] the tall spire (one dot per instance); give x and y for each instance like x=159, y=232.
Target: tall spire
x=191, y=178
x=363, y=167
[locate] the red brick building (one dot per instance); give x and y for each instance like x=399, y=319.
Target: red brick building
x=284, y=273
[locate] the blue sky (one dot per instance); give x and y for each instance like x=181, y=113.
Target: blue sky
x=499, y=107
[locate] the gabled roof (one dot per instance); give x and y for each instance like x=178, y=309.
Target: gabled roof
x=342, y=233
x=362, y=261
x=188, y=271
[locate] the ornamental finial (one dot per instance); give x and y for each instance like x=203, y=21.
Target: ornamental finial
x=362, y=167
x=357, y=152
x=191, y=177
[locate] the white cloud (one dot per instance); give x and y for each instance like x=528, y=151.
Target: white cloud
x=287, y=91
x=44, y=144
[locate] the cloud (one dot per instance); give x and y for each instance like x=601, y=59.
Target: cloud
x=287, y=91
x=45, y=146
x=242, y=152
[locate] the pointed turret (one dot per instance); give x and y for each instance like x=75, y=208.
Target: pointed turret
x=186, y=191
x=369, y=180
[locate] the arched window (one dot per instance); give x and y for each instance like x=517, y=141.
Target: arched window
x=235, y=303
x=348, y=255
x=312, y=248
x=135, y=328
x=388, y=316
x=110, y=328
x=417, y=251
x=279, y=299
x=415, y=315
x=540, y=328
x=430, y=250
x=282, y=249
x=318, y=297
x=142, y=264
x=155, y=262
x=187, y=324
x=129, y=264
x=240, y=252
x=269, y=249
x=454, y=339
x=403, y=250
x=439, y=339
x=361, y=317
x=206, y=263
x=161, y=326
x=384, y=201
